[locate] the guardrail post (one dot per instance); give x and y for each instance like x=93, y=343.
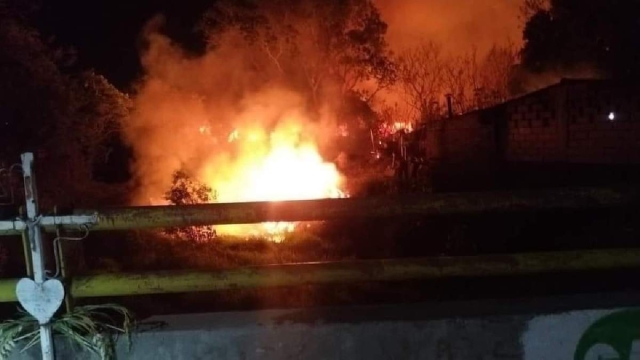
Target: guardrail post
x=37, y=257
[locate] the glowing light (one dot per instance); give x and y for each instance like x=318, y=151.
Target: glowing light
x=233, y=135
x=275, y=166
x=291, y=174
x=402, y=126
x=343, y=130
x=612, y=116
x=388, y=129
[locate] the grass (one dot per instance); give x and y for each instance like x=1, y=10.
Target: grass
x=91, y=327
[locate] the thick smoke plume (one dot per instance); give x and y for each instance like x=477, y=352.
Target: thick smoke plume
x=187, y=109
x=457, y=25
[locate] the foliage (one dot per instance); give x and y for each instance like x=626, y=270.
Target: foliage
x=186, y=191
x=98, y=109
x=421, y=70
x=495, y=75
x=83, y=137
x=92, y=327
x=31, y=86
x=426, y=75
x=66, y=118
x=322, y=48
x=528, y=8
x=570, y=33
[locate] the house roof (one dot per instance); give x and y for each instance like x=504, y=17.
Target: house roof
x=562, y=82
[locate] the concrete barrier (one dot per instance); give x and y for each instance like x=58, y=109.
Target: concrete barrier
x=584, y=335
x=542, y=329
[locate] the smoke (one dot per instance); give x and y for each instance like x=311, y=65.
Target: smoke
x=190, y=113
x=458, y=26
x=529, y=82
x=187, y=108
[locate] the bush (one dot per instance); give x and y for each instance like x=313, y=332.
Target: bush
x=186, y=191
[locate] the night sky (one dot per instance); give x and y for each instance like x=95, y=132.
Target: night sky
x=106, y=33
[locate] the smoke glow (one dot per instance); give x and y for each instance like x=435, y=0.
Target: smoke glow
x=247, y=140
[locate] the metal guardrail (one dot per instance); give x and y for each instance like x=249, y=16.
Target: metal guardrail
x=31, y=226
x=142, y=217
x=129, y=284
x=330, y=209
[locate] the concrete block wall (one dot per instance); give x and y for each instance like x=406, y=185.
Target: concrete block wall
x=569, y=122
x=595, y=138
x=533, y=129
x=461, y=139
x=461, y=152
x=609, y=143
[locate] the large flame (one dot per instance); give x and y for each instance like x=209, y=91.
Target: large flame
x=277, y=165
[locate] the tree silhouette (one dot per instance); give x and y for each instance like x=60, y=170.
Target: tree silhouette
x=186, y=191
x=602, y=34
x=62, y=116
x=317, y=46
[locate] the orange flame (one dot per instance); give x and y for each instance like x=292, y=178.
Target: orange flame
x=273, y=166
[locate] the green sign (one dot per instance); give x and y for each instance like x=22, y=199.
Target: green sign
x=613, y=337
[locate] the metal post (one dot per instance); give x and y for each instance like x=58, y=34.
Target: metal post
x=37, y=251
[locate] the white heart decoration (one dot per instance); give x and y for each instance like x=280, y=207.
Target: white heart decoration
x=41, y=300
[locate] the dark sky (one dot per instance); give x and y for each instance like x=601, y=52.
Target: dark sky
x=106, y=32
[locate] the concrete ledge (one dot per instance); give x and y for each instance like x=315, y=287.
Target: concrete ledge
x=535, y=329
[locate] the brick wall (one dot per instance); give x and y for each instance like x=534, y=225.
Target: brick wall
x=534, y=131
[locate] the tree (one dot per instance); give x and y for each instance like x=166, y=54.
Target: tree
x=528, y=8
x=62, y=116
x=186, y=191
x=32, y=86
x=427, y=76
x=84, y=137
x=571, y=33
x=496, y=74
x=461, y=80
x=323, y=48
x=421, y=72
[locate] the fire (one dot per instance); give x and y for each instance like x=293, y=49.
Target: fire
x=272, y=166
x=291, y=173
x=400, y=125
x=233, y=136
x=388, y=129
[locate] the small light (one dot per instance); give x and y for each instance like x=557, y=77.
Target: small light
x=612, y=116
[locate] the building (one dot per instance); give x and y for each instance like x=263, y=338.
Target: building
x=575, y=132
